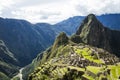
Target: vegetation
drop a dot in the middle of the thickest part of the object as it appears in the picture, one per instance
(75, 38)
(3, 76)
(88, 54)
(8, 63)
(65, 65)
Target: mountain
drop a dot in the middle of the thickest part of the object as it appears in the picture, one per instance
(110, 20)
(92, 32)
(47, 31)
(69, 25)
(21, 39)
(8, 63)
(21, 33)
(115, 42)
(62, 39)
(25, 40)
(86, 55)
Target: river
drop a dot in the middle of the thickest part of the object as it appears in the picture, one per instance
(19, 75)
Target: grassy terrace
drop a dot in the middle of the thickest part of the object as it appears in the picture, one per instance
(94, 69)
(71, 67)
(59, 72)
(115, 71)
(76, 68)
(88, 77)
(56, 67)
(86, 53)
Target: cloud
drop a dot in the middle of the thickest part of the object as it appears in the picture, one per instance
(53, 11)
(34, 15)
(5, 4)
(24, 3)
(98, 7)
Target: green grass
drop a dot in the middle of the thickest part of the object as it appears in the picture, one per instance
(77, 68)
(88, 77)
(3, 76)
(86, 53)
(59, 72)
(115, 71)
(56, 67)
(94, 69)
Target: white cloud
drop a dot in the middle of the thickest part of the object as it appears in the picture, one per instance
(98, 6)
(5, 3)
(53, 11)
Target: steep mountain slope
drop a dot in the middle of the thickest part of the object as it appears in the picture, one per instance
(46, 30)
(62, 39)
(92, 32)
(21, 39)
(69, 25)
(7, 63)
(115, 42)
(87, 55)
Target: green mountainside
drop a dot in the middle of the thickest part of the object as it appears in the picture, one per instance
(86, 55)
(8, 63)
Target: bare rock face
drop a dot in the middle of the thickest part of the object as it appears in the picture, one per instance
(94, 33)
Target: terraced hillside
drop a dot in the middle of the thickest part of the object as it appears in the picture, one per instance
(72, 61)
(79, 62)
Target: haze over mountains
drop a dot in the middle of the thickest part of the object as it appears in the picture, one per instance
(21, 41)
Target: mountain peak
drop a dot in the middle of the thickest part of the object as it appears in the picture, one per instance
(91, 16)
(61, 39)
(92, 32)
(89, 22)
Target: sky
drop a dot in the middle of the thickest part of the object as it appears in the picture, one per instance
(53, 11)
